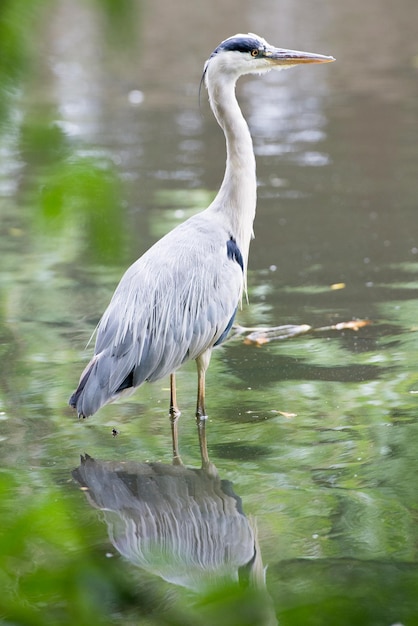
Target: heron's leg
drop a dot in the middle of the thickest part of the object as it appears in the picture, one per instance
(202, 363)
(174, 416)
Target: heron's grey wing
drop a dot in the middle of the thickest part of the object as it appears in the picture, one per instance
(201, 294)
(171, 305)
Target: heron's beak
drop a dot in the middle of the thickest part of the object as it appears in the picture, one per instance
(281, 56)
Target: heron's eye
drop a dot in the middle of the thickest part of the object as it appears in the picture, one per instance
(255, 52)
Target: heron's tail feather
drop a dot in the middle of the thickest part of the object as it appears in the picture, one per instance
(94, 389)
(78, 400)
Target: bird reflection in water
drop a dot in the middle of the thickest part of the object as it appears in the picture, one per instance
(184, 525)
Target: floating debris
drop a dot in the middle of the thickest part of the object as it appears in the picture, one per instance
(260, 336)
(351, 325)
(285, 414)
(265, 335)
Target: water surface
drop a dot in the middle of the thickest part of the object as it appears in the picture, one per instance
(103, 148)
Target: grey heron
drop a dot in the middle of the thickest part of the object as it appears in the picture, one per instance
(179, 299)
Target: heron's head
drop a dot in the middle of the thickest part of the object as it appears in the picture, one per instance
(251, 54)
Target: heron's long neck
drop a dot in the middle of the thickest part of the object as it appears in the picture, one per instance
(236, 199)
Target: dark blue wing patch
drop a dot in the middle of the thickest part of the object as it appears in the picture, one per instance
(227, 329)
(234, 252)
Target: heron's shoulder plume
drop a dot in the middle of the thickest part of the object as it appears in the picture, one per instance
(234, 252)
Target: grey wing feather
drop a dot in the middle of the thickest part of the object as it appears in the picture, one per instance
(171, 305)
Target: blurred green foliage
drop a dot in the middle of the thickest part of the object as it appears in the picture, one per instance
(71, 193)
(18, 20)
(52, 575)
(60, 190)
(59, 573)
(80, 191)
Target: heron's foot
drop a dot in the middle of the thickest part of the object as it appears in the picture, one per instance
(174, 418)
(177, 460)
(209, 468)
(201, 420)
(174, 413)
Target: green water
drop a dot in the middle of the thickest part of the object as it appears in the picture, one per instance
(103, 149)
